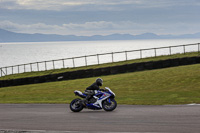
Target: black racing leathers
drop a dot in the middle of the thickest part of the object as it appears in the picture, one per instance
(94, 86)
(90, 91)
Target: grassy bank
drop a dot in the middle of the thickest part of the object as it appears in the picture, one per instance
(41, 73)
(177, 85)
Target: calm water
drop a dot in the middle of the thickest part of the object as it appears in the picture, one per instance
(27, 52)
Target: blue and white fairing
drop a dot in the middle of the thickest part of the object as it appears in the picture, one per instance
(104, 99)
(79, 93)
(100, 97)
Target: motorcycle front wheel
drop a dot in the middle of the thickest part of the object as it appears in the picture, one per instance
(109, 105)
(76, 105)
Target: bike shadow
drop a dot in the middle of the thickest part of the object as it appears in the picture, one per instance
(93, 111)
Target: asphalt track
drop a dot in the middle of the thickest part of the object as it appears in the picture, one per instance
(126, 118)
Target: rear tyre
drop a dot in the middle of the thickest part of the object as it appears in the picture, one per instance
(109, 105)
(76, 105)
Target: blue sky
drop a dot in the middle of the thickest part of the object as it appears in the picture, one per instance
(100, 17)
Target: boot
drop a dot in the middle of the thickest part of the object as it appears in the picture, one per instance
(84, 102)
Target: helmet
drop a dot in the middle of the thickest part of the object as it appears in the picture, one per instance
(99, 81)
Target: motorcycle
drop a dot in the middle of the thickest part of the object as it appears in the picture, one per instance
(101, 100)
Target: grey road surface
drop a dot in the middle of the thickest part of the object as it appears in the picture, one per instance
(126, 118)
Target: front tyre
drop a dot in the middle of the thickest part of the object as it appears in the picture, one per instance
(76, 105)
(109, 105)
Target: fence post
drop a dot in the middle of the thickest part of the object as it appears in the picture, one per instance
(85, 60)
(155, 52)
(1, 72)
(126, 55)
(112, 57)
(18, 69)
(199, 47)
(38, 66)
(184, 49)
(24, 68)
(73, 62)
(45, 65)
(63, 63)
(170, 51)
(12, 69)
(98, 59)
(6, 71)
(140, 54)
(53, 65)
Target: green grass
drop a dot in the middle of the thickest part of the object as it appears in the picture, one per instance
(176, 85)
(41, 73)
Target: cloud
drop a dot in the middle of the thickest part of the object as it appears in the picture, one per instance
(92, 4)
(71, 28)
(29, 28)
(101, 28)
(90, 17)
(8, 4)
(91, 25)
(58, 4)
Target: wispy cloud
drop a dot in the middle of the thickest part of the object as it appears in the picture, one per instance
(101, 28)
(30, 28)
(71, 28)
(58, 4)
(92, 4)
(90, 17)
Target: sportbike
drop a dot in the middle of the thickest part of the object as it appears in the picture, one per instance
(100, 100)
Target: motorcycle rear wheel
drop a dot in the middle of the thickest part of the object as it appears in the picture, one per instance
(76, 105)
(109, 106)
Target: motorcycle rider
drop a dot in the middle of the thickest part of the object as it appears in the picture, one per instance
(90, 91)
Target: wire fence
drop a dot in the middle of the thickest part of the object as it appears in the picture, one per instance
(98, 59)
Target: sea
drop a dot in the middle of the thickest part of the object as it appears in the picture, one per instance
(28, 52)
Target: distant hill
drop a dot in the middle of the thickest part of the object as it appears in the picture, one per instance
(7, 36)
